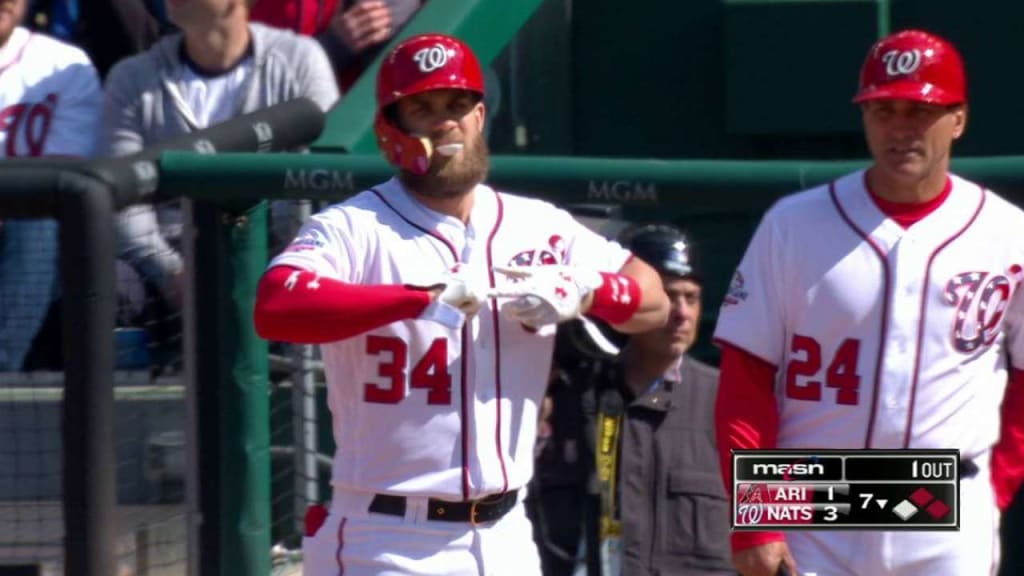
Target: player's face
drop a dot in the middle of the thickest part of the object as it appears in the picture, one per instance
(911, 141)
(11, 14)
(447, 117)
(680, 332)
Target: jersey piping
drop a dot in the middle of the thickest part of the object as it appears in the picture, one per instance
(497, 343)
(884, 328)
(924, 307)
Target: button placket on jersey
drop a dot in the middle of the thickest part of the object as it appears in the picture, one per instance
(906, 266)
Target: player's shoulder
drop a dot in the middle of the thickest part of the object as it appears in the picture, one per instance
(517, 204)
(997, 204)
(814, 201)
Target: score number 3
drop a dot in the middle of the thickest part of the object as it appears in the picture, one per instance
(802, 374)
(430, 373)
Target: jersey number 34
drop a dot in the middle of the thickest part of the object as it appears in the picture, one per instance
(803, 374)
(429, 373)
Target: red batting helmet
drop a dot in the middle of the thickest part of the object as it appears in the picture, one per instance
(913, 65)
(420, 64)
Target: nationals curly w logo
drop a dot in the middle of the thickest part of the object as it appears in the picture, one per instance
(981, 302)
(433, 57)
(901, 62)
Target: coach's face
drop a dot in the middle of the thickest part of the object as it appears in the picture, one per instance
(448, 116)
(11, 14)
(910, 140)
(680, 332)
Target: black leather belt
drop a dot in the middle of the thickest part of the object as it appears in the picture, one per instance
(967, 469)
(487, 509)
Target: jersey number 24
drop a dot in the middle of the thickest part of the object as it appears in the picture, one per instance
(803, 374)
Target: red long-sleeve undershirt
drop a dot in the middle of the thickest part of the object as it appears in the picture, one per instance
(1008, 454)
(746, 417)
(294, 305)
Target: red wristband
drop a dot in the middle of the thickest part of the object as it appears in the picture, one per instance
(616, 299)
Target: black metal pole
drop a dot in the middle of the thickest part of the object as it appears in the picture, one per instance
(85, 213)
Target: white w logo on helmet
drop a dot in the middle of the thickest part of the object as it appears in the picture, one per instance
(432, 58)
(901, 62)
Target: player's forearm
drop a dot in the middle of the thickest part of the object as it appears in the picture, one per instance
(746, 416)
(298, 306)
(651, 308)
(1008, 454)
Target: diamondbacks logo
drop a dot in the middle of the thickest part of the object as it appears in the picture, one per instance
(980, 299)
(550, 255)
(737, 292)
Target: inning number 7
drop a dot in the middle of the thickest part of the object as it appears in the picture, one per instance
(803, 378)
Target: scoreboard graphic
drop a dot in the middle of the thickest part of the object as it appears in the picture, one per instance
(846, 490)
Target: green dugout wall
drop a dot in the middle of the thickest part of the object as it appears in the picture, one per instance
(719, 79)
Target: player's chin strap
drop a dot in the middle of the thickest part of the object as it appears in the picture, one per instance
(408, 152)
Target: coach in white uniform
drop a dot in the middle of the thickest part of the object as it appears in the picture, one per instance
(436, 298)
(885, 310)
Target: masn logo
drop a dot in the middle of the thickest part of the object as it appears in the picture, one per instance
(789, 469)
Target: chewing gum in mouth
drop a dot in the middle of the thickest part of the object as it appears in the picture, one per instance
(449, 149)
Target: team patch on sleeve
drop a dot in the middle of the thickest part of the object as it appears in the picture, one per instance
(310, 240)
(737, 292)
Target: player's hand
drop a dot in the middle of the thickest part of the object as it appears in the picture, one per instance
(461, 293)
(456, 296)
(364, 25)
(766, 560)
(543, 295)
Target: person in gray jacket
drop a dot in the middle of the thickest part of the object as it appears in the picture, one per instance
(643, 419)
(219, 66)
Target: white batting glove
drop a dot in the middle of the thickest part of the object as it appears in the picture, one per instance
(543, 295)
(459, 299)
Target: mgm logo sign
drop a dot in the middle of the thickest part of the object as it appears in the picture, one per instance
(622, 191)
(320, 180)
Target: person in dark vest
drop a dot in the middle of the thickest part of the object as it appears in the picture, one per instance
(644, 412)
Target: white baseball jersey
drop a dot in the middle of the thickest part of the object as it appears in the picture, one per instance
(419, 408)
(884, 337)
(50, 98)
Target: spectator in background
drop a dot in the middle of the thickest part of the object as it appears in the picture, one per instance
(352, 32)
(660, 508)
(50, 101)
(107, 30)
(360, 30)
(217, 67)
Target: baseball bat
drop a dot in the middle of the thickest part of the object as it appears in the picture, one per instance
(282, 127)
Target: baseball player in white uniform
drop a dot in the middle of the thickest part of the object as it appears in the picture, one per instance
(885, 310)
(49, 106)
(435, 299)
(49, 92)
